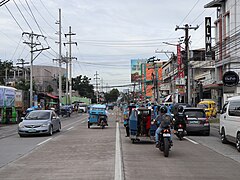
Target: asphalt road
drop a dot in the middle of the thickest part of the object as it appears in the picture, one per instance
(81, 153)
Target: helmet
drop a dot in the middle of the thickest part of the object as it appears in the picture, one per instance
(163, 109)
(180, 109)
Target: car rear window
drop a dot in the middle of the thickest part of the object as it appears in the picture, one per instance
(202, 105)
(195, 113)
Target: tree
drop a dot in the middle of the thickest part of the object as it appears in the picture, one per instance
(112, 95)
(5, 66)
(49, 89)
(83, 86)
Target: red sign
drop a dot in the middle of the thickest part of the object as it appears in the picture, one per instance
(179, 61)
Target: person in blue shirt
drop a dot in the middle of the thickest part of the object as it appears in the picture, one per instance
(164, 119)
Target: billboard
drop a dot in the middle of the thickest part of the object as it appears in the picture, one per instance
(136, 69)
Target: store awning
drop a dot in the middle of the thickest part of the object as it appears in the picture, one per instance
(52, 96)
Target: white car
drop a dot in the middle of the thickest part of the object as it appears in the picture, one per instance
(230, 122)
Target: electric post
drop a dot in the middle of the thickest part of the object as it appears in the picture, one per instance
(187, 70)
(59, 22)
(70, 34)
(97, 78)
(22, 62)
(33, 46)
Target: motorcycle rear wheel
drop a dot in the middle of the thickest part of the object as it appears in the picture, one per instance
(166, 147)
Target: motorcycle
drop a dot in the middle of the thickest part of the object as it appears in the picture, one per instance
(165, 141)
(180, 131)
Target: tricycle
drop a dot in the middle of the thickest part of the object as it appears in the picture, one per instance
(141, 125)
(98, 116)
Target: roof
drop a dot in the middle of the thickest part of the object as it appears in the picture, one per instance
(234, 98)
(214, 3)
(98, 106)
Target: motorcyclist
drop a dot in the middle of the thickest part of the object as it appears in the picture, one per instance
(180, 118)
(163, 119)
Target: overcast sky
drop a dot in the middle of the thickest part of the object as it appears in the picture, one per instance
(109, 33)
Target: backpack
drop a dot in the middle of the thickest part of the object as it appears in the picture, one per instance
(166, 120)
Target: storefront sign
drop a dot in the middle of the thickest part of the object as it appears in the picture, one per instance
(208, 38)
(230, 78)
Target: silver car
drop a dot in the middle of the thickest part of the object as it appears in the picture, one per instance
(39, 122)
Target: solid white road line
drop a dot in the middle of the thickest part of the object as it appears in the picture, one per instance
(118, 156)
(44, 141)
(194, 142)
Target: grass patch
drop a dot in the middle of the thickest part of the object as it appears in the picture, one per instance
(214, 120)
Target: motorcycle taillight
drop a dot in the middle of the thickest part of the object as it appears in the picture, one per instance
(180, 125)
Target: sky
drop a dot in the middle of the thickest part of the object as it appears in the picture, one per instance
(109, 33)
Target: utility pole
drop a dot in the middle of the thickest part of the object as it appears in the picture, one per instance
(97, 78)
(187, 70)
(34, 42)
(59, 22)
(70, 34)
(22, 62)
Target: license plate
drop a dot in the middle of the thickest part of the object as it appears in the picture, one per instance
(166, 135)
(180, 130)
(32, 130)
(193, 122)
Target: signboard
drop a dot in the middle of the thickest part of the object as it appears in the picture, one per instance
(136, 69)
(1, 97)
(230, 78)
(18, 98)
(208, 38)
(9, 97)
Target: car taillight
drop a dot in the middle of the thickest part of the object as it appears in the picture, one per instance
(206, 122)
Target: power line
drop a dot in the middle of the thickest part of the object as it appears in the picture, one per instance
(14, 18)
(189, 12)
(22, 15)
(34, 17)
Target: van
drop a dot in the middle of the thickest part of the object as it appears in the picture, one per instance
(230, 121)
(209, 106)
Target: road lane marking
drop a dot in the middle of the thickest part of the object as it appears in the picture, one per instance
(44, 141)
(70, 128)
(118, 156)
(194, 142)
(83, 122)
(74, 122)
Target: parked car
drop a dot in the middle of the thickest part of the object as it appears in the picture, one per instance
(110, 106)
(39, 122)
(196, 120)
(230, 121)
(66, 111)
(82, 108)
(209, 106)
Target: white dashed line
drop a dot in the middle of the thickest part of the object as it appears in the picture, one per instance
(194, 142)
(44, 141)
(70, 128)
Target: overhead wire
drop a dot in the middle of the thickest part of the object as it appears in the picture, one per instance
(23, 15)
(14, 18)
(189, 12)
